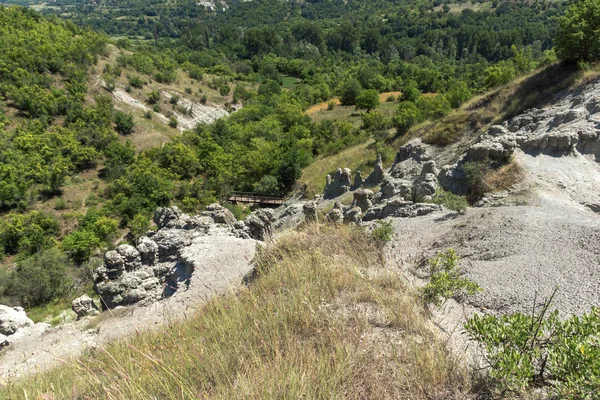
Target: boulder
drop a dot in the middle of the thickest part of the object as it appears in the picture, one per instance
(219, 214)
(148, 250)
(12, 319)
(165, 217)
(336, 215)
(362, 199)
(258, 224)
(353, 215)
(84, 306)
(310, 211)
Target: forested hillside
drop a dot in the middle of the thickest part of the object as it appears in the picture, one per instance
(73, 184)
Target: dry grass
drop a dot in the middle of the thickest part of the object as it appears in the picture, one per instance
(322, 319)
(504, 177)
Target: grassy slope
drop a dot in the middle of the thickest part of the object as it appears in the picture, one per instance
(460, 127)
(323, 319)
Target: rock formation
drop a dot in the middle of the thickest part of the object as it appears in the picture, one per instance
(339, 184)
(376, 176)
(84, 306)
(155, 267)
(12, 319)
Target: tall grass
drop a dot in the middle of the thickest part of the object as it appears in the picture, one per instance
(322, 319)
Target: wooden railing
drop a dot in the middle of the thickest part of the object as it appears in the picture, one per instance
(249, 197)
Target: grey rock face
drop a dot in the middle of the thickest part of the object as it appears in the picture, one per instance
(336, 215)
(219, 214)
(310, 211)
(84, 306)
(358, 181)
(339, 184)
(376, 176)
(152, 269)
(362, 199)
(353, 215)
(12, 319)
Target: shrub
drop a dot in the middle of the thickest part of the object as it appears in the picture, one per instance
(382, 234)
(60, 204)
(123, 122)
(173, 122)
(139, 225)
(40, 278)
(391, 98)
(80, 244)
(446, 280)
(406, 116)
(136, 82)
(349, 92)
(367, 100)
(188, 90)
(148, 114)
(203, 99)
(174, 99)
(153, 97)
(450, 200)
(541, 349)
(331, 105)
(238, 212)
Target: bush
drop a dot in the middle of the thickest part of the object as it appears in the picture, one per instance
(331, 105)
(238, 212)
(40, 278)
(446, 280)
(139, 226)
(80, 244)
(349, 92)
(523, 351)
(382, 234)
(123, 122)
(153, 97)
(367, 100)
(60, 204)
(173, 122)
(406, 116)
(450, 200)
(136, 82)
(174, 99)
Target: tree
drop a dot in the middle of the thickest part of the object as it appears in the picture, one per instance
(124, 122)
(406, 116)
(367, 100)
(40, 278)
(349, 92)
(578, 37)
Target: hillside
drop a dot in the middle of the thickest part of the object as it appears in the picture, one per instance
(438, 165)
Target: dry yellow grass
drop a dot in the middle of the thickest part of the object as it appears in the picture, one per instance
(322, 319)
(504, 177)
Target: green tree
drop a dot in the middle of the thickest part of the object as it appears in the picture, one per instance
(40, 278)
(349, 92)
(406, 116)
(124, 122)
(578, 37)
(367, 100)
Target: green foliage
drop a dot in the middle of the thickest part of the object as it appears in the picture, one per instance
(60, 204)
(268, 184)
(28, 233)
(139, 226)
(367, 100)
(94, 230)
(39, 278)
(446, 280)
(406, 116)
(499, 74)
(136, 82)
(349, 92)
(173, 122)
(382, 234)
(238, 212)
(458, 93)
(153, 97)
(450, 200)
(475, 173)
(524, 351)
(577, 38)
(124, 122)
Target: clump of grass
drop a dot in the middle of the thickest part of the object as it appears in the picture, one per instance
(302, 329)
(505, 176)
